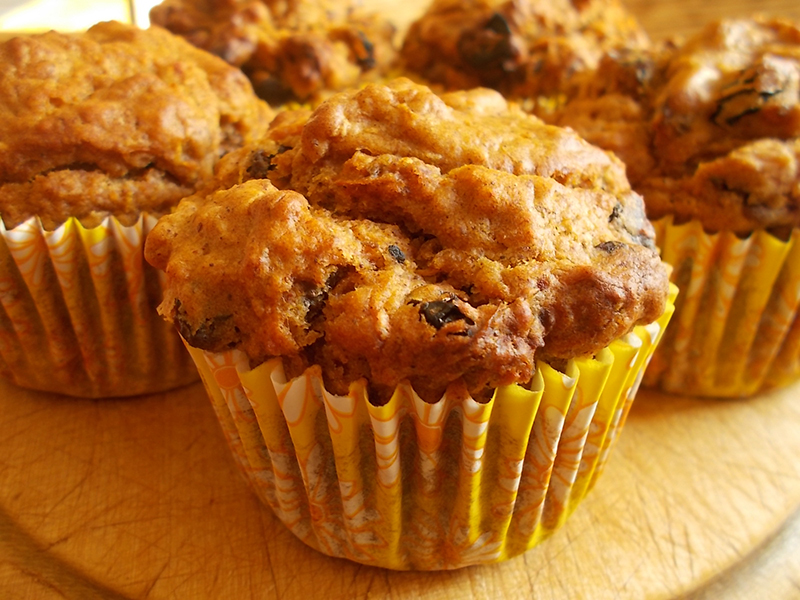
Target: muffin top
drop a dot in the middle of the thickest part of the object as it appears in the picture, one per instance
(711, 129)
(726, 128)
(393, 234)
(524, 48)
(115, 120)
(611, 107)
(291, 49)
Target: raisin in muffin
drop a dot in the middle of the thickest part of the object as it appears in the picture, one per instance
(710, 131)
(525, 49)
(102, 132)
(395, 235)
(296, 50)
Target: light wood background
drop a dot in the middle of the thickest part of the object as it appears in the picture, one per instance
(138, 498)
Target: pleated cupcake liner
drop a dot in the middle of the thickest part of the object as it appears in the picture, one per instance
(78, 312)
(736, 330)
(414, 485)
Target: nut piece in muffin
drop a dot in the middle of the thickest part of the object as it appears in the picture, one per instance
(114, 121)
(713, 130)
(524, 48)
(295, 50)
(392, 234)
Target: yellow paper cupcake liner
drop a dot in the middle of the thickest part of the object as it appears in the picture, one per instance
(413, 485)
(735, 329)
(78, 312)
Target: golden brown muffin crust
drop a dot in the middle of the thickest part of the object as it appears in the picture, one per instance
(610, 107)
(712, 133)
(523, 48)
(291, 50)
(726, 125)
(392, 234)
(114, 121)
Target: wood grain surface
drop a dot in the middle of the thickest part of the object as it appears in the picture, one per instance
(139, 498)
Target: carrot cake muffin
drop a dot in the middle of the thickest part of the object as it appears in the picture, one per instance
(295, 50)
(114, 121)
(100, 133)
(523, 48)
(395, 235)
(710, 132)
(411, 310)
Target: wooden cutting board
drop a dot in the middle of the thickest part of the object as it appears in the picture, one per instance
(139, 498)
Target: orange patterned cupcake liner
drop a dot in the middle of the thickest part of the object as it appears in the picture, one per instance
(413, 485)
(78, 311)
(736, 329)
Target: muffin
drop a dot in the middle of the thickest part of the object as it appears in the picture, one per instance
(524, 49)
(102, 132)
(709, 132)
(299, 50)
(449, 278)
(611, 106)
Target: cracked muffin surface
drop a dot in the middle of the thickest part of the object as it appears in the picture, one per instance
(523, 48)
(611, 107)
(392, 234)
(711, 130)
(115, 121)
(291, 50)
(726, 128)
